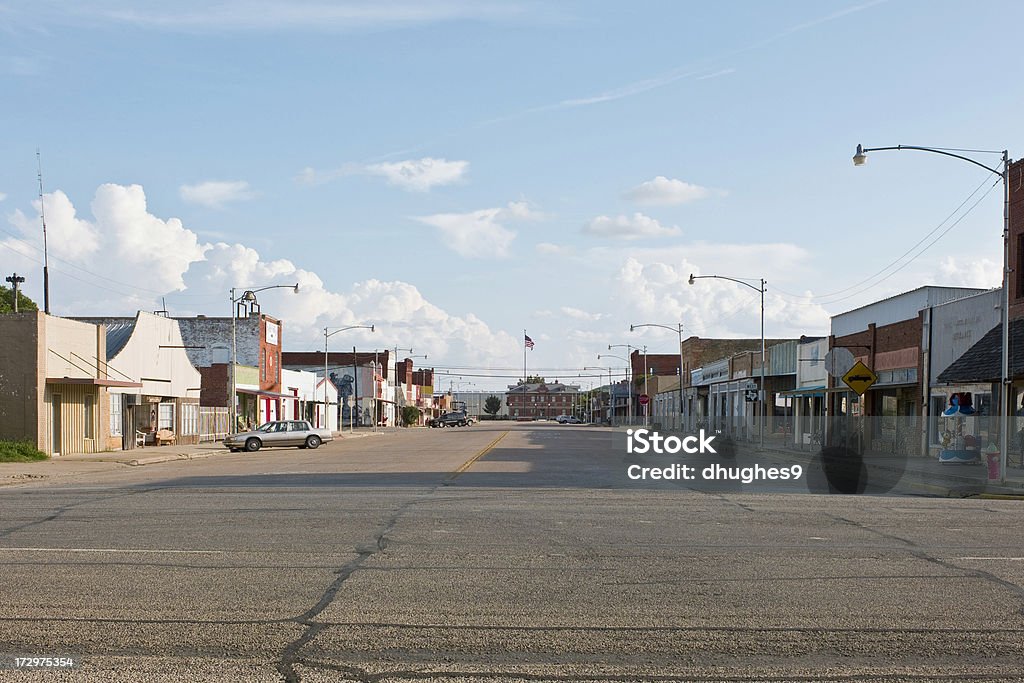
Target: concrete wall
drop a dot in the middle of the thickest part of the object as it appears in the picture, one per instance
(958, 325)
(154, 355)
(22, 360)
(897, 308)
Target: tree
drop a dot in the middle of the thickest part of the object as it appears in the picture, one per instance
(492, 405)
(410, 415)
(532, 379)
(7, 301)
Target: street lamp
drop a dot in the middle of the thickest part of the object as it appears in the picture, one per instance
(764, 391)
(861, 158)
(629, 392)
(679, 330)
(609, 387)
(328, 333)
(249, 298)
(629, 375)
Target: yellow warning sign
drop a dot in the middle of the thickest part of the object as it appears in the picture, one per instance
(860, 378)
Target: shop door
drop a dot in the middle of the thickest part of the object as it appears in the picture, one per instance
(56, 421)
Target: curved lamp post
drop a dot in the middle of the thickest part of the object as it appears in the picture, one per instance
(328, 333)
(764, 391)
(679, 330)
(248, 297)
(609, 370)
(629, 391)
(629, 373)
(861, 158)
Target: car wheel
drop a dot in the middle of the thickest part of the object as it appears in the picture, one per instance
(252, 444)
(312, 441)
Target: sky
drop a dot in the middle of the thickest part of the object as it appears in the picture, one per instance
(455, 172)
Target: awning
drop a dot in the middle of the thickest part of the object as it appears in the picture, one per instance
(272, 394)
(94, 381)
(804, 391)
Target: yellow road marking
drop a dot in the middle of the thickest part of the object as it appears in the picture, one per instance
(469, 463)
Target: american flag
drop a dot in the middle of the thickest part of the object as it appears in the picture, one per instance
(529, 342)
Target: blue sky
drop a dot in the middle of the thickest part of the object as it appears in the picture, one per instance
(457, 171)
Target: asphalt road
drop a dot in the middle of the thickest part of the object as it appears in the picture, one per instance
(498, 554)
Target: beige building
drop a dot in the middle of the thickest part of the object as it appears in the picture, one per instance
(54, 387)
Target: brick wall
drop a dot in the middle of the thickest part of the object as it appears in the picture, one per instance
(215, 380)
(1016, 239)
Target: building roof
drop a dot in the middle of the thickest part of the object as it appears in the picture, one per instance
(118, 334)
(983, 362)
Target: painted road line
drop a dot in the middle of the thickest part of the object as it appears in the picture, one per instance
(469, 463)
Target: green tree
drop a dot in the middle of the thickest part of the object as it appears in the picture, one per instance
(532, 379)
(7, 301)
(492, 405)
(410, 415)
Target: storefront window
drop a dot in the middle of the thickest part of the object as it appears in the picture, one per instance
(166, 417)
(115, 414)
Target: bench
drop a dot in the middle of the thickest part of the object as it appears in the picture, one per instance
(164, 437)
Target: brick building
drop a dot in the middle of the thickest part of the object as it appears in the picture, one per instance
(537, 400)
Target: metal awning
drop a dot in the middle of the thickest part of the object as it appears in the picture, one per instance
(94, 381)
(804, 391)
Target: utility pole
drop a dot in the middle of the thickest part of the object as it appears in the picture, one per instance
(46, 257)
(15, 281)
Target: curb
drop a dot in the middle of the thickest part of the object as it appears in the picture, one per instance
(138, 462)
(953, 487)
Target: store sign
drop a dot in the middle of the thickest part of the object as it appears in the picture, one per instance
(272, 333)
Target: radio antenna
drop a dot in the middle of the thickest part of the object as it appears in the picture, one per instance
(46, 259)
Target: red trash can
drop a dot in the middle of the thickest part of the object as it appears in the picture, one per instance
(992, 459)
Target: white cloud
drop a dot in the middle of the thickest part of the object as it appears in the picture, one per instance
(657, 290)
(480, 234)
(549, 249)
(662, 191)
(3, 196)
(628, 227)
(578, 314)
(420, 175)
(216, 193)
(156, 257)
(981, 273)
(68, 236)
(412, 175)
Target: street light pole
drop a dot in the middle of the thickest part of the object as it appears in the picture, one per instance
(679, 330)
(860, 158)
(629, 402)
(764, 390)
(327, 334)
(629, 375)
(248, 295)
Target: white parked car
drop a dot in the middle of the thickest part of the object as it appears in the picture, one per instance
(280, 433)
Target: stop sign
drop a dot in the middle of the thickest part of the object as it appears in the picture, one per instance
(644, 399)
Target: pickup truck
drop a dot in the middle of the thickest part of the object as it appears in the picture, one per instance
(279, 433)
(450, 420)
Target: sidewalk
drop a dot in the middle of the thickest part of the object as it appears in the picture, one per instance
(67, 465)
(927, 475)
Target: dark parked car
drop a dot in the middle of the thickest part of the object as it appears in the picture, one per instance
(450, 420)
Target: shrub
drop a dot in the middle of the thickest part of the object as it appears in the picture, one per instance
(20, 451)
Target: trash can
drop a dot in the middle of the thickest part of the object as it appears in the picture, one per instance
(992, 460)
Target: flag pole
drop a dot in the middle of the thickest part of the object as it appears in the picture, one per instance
(524, 372)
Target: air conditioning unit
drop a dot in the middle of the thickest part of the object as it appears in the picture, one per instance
(131, 399)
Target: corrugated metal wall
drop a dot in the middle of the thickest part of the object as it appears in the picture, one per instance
(72, 410)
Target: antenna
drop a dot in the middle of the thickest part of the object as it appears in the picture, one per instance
(46, 259)
(163, 312)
